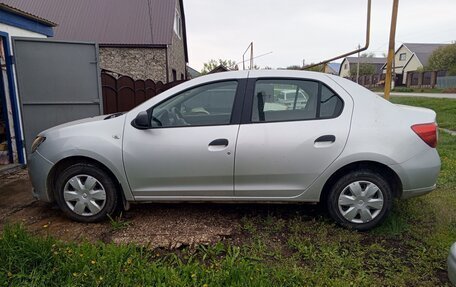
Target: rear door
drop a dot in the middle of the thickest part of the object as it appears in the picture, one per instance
(283, 148)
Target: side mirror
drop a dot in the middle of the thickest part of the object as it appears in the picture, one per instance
(141, 122)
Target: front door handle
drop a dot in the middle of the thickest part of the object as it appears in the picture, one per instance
(219, 142)
(326, 138)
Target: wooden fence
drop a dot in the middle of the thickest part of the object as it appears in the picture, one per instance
(121, 94)
(426, 79)
(370, 81)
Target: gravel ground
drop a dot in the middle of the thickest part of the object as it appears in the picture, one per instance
(155, 225)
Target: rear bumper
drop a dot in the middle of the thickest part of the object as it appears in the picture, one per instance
(39, 168)
(419, 174)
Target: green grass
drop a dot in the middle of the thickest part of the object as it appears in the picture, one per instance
(118, 223)
(409, 90)
(418, 90)
(445, 108)
(276, 246)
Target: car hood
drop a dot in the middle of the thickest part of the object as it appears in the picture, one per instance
(78, 123)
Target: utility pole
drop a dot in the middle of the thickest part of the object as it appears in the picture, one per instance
(357, 66)
(392, 39)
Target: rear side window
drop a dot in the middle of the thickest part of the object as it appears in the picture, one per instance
(330, 104)
(290, 100)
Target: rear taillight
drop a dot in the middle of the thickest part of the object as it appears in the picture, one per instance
(427, 132)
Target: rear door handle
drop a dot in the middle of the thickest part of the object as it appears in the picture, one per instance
(219, 142)
(326, 138)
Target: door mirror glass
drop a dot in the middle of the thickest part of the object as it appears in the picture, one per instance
(141, 121)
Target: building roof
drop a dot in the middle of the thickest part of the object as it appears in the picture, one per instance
(27, 15)
(368, 60)
(377, 62)
(335, 67)
(109, 22)
(192, 72)
(423, 50)
(218, 69)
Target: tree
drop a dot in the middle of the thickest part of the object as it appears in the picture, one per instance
(364, 68)
(318, 68)
(212, 64)
(444, 58)
(294, 67)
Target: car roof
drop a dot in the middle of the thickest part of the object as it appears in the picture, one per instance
(263, 74)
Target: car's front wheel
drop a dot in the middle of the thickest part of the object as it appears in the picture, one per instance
(360, 200)
(86, 193)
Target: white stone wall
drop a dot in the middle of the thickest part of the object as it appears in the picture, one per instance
(138, 63)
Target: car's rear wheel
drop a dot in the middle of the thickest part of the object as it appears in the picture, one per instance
(360, 200)
(86, 193)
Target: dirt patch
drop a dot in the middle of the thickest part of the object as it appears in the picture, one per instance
(154, 225)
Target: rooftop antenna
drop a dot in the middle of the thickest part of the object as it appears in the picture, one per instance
(251, 56)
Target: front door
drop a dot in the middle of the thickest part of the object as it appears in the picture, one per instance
(189, 149)
(295, 130)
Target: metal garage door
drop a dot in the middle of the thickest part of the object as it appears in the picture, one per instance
(58, 82)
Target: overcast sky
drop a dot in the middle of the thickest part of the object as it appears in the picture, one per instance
(313, 30)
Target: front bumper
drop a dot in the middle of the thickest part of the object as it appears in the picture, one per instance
(419, 174)
(39, 169)
(452, 264)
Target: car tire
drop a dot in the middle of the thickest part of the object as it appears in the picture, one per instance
(360, 200)
(86, 193)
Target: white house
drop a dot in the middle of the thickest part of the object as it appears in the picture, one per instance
(377, 62)
(411, 57)
(14, 23)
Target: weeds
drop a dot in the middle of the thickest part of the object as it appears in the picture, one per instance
(118, 223)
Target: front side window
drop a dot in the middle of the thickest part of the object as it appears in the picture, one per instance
(206, 105)
(291, 100)
(402, 57)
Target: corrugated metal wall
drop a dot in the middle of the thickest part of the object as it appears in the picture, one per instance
(58, 82)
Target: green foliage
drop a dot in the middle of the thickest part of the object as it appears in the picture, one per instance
(403, 90)
(294, 67)
(318, 68)
(365, 69)
(444, 58)
(212, 64)
(118, 222)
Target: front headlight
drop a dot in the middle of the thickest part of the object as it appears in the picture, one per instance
(36, 142)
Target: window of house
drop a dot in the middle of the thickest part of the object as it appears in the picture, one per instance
(291, 100)
(210, 104)
(174, 75)
(345, 66)
(178, 24)
(182, 77)
(402, 57)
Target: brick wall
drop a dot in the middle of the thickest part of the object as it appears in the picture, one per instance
(138, 63)
(176, 56)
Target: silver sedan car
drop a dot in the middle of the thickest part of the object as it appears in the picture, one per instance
(227, 138)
